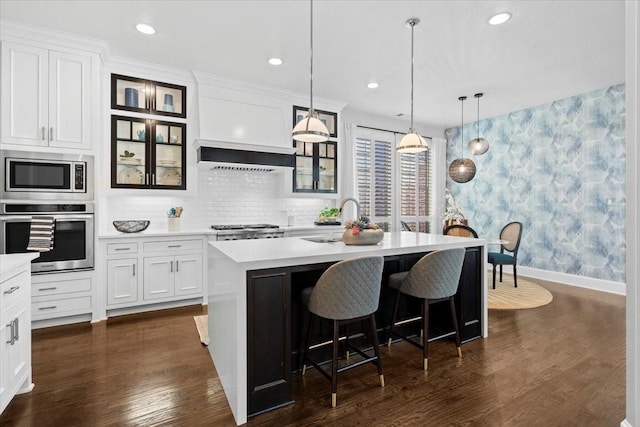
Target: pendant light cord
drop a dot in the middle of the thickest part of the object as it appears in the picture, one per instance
(311, 60)
(413, 24)
(461, 99)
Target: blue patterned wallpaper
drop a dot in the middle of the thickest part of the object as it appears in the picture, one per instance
(559, 169)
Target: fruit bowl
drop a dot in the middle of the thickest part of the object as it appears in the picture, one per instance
(131, 226)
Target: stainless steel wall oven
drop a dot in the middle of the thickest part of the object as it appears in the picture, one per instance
(73, 239)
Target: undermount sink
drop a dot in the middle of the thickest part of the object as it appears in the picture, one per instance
(323, 239)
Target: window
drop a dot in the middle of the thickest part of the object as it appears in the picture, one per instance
(392, 187)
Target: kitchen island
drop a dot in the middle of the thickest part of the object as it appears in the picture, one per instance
(253, 288)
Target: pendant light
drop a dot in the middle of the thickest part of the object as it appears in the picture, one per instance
(412, 142)
(310, 129)
(478, 145)
(462, 170)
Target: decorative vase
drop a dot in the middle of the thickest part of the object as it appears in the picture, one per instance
(364, 237)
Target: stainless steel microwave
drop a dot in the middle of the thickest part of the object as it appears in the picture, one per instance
(46, 176)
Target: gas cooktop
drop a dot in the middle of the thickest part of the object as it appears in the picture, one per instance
(242, 227)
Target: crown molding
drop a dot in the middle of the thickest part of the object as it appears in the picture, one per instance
(20, 32)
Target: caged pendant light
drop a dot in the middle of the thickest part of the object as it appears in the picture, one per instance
(412, 142)
(462, 170)
(310, 128)
(478, 145)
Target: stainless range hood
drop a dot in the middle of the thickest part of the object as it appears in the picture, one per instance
(240, 156)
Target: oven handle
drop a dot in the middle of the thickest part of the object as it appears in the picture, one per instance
(66, 217)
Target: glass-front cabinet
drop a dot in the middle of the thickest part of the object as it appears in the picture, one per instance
(316, 167)
(147, 153)
(148, 96)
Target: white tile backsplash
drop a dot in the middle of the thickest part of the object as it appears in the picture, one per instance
(224, 197)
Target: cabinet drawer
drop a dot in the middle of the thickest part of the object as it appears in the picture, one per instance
(122, 248)
(60, 307)
(61, 287)
(173, 246)
(14, 289)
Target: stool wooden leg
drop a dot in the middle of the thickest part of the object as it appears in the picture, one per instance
(312, 318)
(425, 335)
(346, 342)
(394, 318)
(452, 305)
(334, 365)
(376, 347)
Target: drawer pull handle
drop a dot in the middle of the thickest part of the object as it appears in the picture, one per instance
(12, 290)
(177, 266)
(53, 288)
(16, 335)
(174, 246)
(123, 249)
(12, 340)
(50, 307)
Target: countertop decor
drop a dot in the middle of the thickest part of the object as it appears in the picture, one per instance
(362, 232)
(131, 226)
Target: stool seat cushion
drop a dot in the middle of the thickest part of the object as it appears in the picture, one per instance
(499, 258)
(396, 279)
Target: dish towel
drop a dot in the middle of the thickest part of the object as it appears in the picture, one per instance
(41, 234)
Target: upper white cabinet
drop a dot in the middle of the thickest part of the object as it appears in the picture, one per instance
(46, 97)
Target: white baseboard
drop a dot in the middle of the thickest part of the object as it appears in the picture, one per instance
(609, 286)
(625, 423)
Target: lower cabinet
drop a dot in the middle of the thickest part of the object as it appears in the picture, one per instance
(153, 270)
(15, 333)
(56, 296)
(269, 348)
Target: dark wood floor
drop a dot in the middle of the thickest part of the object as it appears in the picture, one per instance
(558, 365)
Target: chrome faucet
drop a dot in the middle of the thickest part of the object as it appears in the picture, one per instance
(342, 203)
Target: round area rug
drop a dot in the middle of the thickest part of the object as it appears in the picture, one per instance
(507, 297)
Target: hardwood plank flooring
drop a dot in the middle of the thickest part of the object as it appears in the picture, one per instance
(558, 365)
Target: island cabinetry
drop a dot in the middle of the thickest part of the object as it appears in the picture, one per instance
(469, 296)
(269, 348)
(47, 97)
(15, 326)
(152, 270)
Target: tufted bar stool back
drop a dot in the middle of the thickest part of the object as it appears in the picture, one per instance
(348, 290)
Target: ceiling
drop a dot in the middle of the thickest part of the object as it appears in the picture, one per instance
(548, 50)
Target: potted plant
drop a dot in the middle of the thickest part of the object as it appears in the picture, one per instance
(329, 215)
(362, 232)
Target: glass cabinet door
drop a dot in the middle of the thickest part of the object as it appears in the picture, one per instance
(129, 93)
(316, 167)
(129, 154)
(169, 158)
(148, 96)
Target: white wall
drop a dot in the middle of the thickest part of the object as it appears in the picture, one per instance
(389, 123)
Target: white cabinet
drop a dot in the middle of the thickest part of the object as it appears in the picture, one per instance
(46, 97)
(171, 270)
(122, 281)
(15, 328)
(62, 295)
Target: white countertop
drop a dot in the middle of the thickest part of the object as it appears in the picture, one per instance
(266, 253)
(11, 261)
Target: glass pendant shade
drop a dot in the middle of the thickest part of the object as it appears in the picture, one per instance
(412, 143)
(478, 146)
(462, 170)
(310, 129)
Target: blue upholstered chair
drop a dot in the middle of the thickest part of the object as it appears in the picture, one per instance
(433, 278)
(347, 291)
(512, 233)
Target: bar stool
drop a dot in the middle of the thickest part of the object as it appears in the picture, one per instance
(347, 291)
(433, 278)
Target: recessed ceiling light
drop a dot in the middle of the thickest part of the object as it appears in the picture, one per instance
(372, 85)
(145, 29)
(275, 61)
(499, 18)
